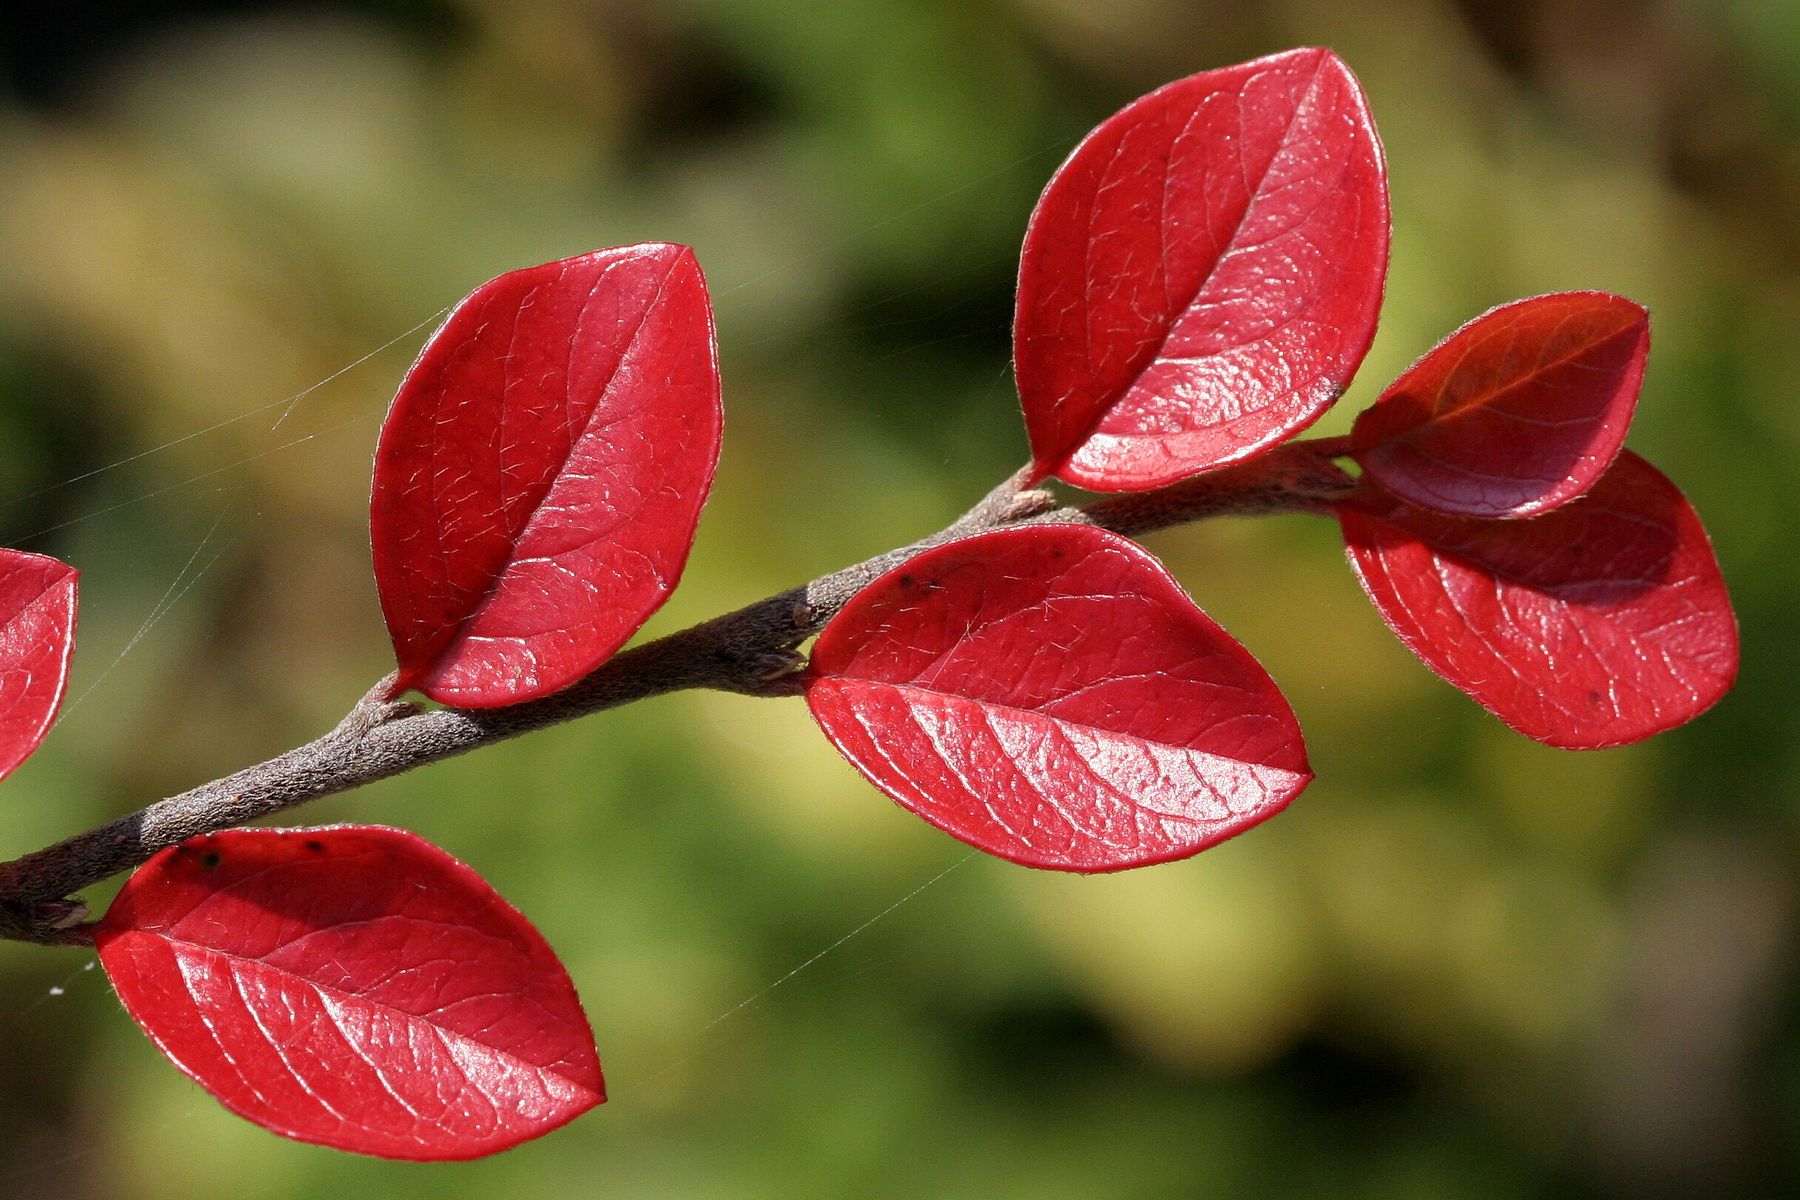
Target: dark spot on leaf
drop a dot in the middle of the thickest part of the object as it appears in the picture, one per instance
(315, 845)
(211, 859)
(907, 581)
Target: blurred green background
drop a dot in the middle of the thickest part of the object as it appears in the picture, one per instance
(1461, 965)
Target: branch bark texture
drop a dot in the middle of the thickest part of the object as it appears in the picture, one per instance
(752, 651)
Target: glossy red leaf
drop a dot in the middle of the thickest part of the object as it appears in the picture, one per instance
(1050, 695)
(37, 640)
(1202, 277)
(351, 986)
(542, 470)
(1598, 624)
(1520, 410)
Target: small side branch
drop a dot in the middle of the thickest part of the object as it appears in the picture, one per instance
(752, 651)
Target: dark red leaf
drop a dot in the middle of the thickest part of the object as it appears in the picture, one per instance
(1595, 625)
(37, 639)
(1201, 278)
(351, 986)
(1520, 410)
(542, 470)
(1050, 695)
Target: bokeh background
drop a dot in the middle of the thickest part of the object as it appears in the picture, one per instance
(1461, 965)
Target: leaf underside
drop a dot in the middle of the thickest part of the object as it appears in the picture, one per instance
(1050, 695)
(1599, 624)
(354, 987)
(37, 641)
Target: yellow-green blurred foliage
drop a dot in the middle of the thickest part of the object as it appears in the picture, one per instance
(1460, 965)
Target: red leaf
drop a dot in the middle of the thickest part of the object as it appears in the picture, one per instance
(1520, 410)
(351, 986)
(542, 470)
(1595, 625)
(1201, 278)
(1050, 695)
(37, 639)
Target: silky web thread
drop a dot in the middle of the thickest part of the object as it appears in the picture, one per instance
(177, 590)
(286, 403)
(741, 1005)
(172, 595)
(289, 403)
